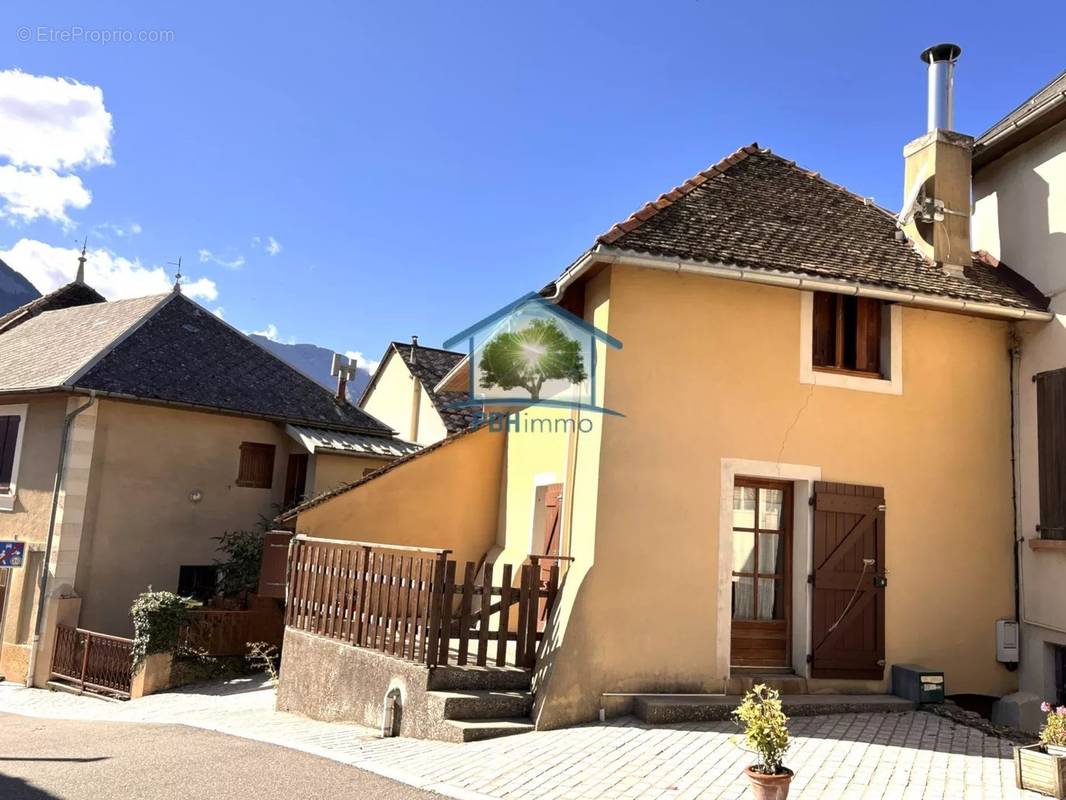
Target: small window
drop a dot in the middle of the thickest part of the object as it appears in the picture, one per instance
(848, 334)
(9, 435)
(198, 582)
(256, 470)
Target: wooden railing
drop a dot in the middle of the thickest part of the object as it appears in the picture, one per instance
(407, 602)
(92, 660)
(224, 632)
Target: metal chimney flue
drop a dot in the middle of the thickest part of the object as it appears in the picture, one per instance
(941, 59)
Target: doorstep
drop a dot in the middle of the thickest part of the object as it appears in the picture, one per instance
(659, 709)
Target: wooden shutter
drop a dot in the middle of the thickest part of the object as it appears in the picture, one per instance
(824, 329)
(1051, 452)
(848, 599)
(273, 568)
(256, 469)
(868, 335)
(295, 479)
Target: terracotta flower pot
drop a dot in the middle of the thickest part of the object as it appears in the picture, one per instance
(769, 787)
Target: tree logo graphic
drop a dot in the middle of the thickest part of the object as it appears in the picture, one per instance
(530, 357)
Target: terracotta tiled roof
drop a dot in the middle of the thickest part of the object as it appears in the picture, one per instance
(756, 210)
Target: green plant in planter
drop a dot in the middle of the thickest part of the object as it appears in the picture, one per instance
(157, 621)
(765, 728)
(1053, 734)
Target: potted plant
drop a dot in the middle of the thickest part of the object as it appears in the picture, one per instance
(765, 734)
(1042, 766)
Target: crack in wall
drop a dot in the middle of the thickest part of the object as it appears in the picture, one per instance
(789, 429)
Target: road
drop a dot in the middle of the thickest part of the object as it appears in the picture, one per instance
(44, 759)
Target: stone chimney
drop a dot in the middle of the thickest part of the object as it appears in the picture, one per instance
(936, 172)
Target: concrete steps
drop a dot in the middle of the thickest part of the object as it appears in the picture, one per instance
(476, 730)
(475, 703)
(481, 704)
(666, 709)
(785, 682)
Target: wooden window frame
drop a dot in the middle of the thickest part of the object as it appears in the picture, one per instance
(868, 312)
(890, 378)
(10, 491)
(250, 450)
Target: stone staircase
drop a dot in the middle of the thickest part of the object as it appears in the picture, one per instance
(475, 703)
(741, 680)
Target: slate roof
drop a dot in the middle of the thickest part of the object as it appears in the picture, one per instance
(48, 349)
(73, 294)
(757, 210)
(168, 349)
(430, 365)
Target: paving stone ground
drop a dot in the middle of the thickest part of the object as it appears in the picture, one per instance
(908, 756)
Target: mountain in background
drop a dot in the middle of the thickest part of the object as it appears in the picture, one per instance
(315, 363)
(15, 290)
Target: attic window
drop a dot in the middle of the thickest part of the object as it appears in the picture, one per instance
(256, 470)
(848, 334)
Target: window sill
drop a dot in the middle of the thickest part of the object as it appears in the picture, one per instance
(1048, 544)
(857, 373)
(846, 379)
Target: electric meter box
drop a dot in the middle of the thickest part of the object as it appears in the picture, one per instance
(1006, 641)
(917, 684)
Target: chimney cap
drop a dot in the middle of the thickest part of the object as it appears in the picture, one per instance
(945, 51)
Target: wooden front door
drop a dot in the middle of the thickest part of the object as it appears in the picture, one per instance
(848, 590)
(762, 573)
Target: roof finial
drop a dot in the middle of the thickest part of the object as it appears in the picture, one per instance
(80, 277)
(177, 275)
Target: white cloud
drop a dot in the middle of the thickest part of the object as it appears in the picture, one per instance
(31, 193)
(207, 257)
(271, 246)
(269, 332)
(52, 122)
(50, 127)
(219, 312)
(122, 231)
(48, 267)
(369, 364)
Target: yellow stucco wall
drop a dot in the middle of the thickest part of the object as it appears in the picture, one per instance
(331, 470)
(709, 371)
(447, 498)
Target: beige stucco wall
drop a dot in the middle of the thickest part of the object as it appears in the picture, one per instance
(1020, 217)
(331, 470)
(140, 522)
(1020, 209)
(28, 521)
(393, 398)
(447, 498)
(709, 371)
(1043, 612)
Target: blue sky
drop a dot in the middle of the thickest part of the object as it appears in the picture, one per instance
(419, 164)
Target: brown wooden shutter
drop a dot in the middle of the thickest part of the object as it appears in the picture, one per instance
(1051, 452)
(256, 468)
(295, 479)
(9, 430)
(868, 335)
(273, 568)
(824, 330)
(848, 599)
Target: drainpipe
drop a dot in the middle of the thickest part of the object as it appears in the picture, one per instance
(42, 584)
(1014, 354)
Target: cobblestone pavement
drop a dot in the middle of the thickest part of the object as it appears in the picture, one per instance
(861, 756)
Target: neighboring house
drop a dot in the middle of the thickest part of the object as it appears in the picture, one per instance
(1019, 183)
(403, 393)
(810, 472)
(174, 427)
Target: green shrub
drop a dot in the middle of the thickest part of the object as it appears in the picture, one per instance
(157, 621)
(765, 727)
(243, 551)
(1054, 730)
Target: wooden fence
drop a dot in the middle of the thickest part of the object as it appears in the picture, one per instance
(221, 633)
(409, 602)
(92, 660)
